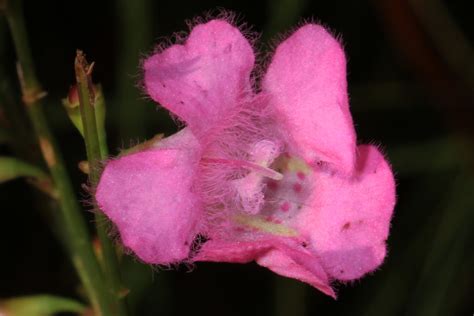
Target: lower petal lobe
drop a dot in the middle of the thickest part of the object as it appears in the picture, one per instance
(348, 219)
(280, 255)
(149, 197)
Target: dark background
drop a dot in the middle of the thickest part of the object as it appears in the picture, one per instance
(411, 83)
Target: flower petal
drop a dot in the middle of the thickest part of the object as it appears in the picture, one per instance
(149, 197)
(204, 78)
(297, 265)
(231, 250)
(307, 79)
(280, 256)
(349, 219)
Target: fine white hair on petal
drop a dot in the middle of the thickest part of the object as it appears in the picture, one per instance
(235, 138)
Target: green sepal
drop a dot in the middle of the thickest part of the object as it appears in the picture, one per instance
(74, 114)
(71, 104)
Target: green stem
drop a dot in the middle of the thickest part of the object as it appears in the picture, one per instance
(79, 243)
(15, 120)
(86, 104)
(95, 153)
(100, 109)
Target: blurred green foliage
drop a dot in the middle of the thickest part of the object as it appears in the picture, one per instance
(404, 96)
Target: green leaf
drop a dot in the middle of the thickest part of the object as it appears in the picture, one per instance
(12, 168)
(39, 305)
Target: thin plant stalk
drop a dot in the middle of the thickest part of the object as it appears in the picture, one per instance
(94, 155)
(79, 242)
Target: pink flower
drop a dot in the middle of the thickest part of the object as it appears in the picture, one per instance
(273, 176)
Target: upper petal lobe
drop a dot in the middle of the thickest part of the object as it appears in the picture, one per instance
(204, 78)
(307, 80)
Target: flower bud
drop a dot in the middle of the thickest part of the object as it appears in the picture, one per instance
(71, 104)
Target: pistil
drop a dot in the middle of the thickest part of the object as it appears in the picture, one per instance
(250, 166)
